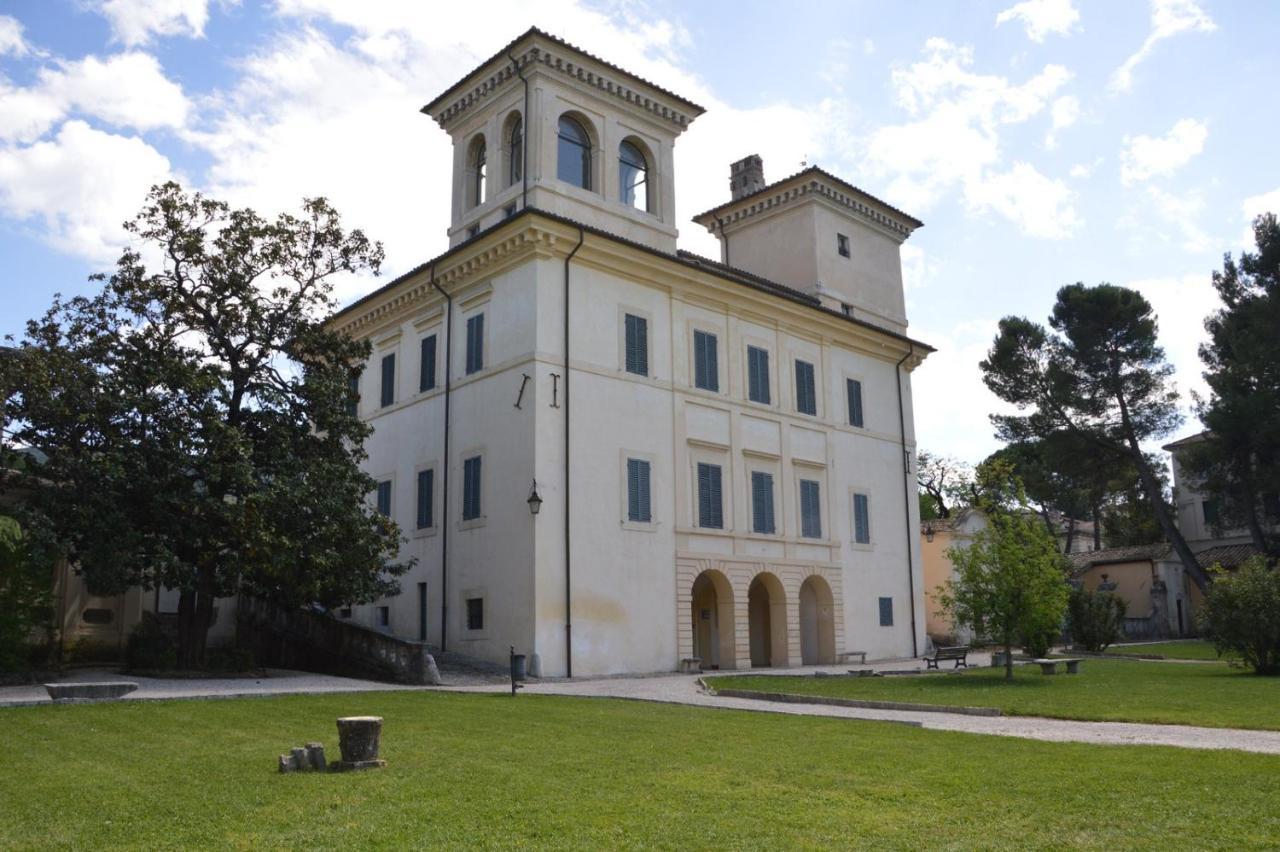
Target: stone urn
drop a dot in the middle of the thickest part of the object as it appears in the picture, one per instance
(358, 740)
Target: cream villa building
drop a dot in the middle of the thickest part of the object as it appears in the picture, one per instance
(619, 457)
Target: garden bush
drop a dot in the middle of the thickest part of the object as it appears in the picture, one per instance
(1095, 619)
(1242, 615)
(150, 647)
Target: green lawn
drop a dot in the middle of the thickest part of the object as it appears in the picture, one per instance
(469, 771)
(1214, 695)
(1183, 649)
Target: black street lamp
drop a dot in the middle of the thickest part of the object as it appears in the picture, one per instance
(535, 502)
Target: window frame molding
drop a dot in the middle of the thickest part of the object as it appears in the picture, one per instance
(870, 545)
(718, 334)
(750, 342)
(860, 378)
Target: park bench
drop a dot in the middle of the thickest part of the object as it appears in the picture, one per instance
(1050, 667)
(958, 653)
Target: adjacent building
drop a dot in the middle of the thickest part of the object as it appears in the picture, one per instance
(617, 456)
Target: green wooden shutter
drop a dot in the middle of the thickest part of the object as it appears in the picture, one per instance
(758, 374)
(471, 489)
(475, 344)
(861, 519)
(762, 503)
(427, 364)
(384, 498)
(388, 379)
(426, 488)
(810, 509)
(806, 394)
(637, 345)
(886, 612)
(854, 388)
(710, 498)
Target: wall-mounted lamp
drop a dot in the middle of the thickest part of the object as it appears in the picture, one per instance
(535, 502)
(928, 534)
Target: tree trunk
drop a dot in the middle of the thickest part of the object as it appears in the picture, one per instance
(1071, 535)
(195, 616)
(1252, 521)
(186, 614)
(1172, 534)
(1008, 659)
(1097, 524)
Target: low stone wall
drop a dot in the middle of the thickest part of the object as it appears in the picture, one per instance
(318, 642)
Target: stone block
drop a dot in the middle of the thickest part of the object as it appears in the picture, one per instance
(100, 691)
(358, 739)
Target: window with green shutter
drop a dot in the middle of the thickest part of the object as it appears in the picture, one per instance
(427, 364)
(854, 391)
(638, 506)
(426, 495)
(636, 331)
(758, 374)
(388, 379)
(475, 344)
(762, 503)
(706, 365)
(861, 519)
(886, 612)
(810, 509)
(471, 488)
(806, 392)
(383, 499)
(710, 498)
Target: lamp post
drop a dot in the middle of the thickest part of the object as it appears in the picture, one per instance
(534, 501)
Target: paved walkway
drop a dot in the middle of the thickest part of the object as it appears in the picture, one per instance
(684, 689)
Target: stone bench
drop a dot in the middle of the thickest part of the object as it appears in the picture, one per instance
(99, 691)
(691, 665)
(1050, 667)
(847, 657)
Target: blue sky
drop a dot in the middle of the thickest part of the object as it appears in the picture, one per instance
(1042, 142)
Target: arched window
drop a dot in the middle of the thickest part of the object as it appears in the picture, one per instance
(633, 176)
(515, 151)
(479, 171)
(573, 161)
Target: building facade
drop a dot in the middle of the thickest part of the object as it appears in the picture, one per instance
(618, 457)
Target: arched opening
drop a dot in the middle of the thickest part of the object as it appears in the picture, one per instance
(515, 149)
(712, 613)
(573, 153)
(477, 172)
(633, 176)
(817, 623)
(767, 621)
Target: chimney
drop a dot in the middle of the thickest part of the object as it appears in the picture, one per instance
(746, 176)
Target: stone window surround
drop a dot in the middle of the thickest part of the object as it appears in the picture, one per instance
(710, 454)
(647, 316)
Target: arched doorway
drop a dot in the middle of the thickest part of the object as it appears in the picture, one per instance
(767, 621)
(712, 613)
(817, 623)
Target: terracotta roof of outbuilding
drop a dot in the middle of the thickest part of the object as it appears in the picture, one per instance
(549, 37)
(1081, 562)
(1226, 555)
(814, 171)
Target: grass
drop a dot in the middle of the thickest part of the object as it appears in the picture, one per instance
(489, 771)
(1105, 690)
(1183, 649)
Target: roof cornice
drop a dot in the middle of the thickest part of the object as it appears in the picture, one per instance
(538, 50)
(813, 182)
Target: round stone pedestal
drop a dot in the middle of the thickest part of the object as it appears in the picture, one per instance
(358, 740)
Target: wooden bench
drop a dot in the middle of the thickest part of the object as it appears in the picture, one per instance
(1050, 667)
(847, 656)
(958, 653)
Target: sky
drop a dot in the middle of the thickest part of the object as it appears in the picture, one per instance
(1042, 142)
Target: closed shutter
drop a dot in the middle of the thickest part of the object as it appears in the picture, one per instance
(426, 489)
(471, 489)
(427, 364)
(388, 379)
(638, 507)
(475, 344)
(758, 374)
(855, 402)
(706, 365)
(353, 394)
(637, 345)
(810, 509)
(762, 503)
(806, 397)
(886, 612)
(384, 498)
(710, 505)
(861, 519)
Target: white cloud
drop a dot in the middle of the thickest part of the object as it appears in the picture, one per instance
(11, 40)
(1181, 213)
(1042, 17)
(128, 90)
(135, 22)
(1064, 113)
(1181, 304)
(1081, 170)
(1145, 157)
(954, 139)
(81, 185)
(1168, 18)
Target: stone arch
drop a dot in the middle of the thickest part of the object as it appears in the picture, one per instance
(711, 612)
(767, 621)
(636, 174)
(513, 147)
(817, 622)
(477, 170)
(569, 169)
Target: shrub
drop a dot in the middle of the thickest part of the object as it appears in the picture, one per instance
(1242, 615)
(1095, 619)
(150, 647)
(1037, 644)
(26, 584)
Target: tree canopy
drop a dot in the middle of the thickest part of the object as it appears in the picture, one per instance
(195, 415)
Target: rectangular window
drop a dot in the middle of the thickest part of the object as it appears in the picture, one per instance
(475, 344)
(762, 503)
(345, 612)
(710, 498)
(422, 612)
(353, 394)
(861, 519)
(637, 344)
(854, 389)
(706, 367)
(806, 395)
(427, 364)
(384, 616)
(758, 374)
(842, 245)
(384, 498)
(388, 379)
(638, 508)
(1209, 510)
(426, 494)
(886, 612)
(471, 489)
(810, 509)
(475, 613)
(472, 231)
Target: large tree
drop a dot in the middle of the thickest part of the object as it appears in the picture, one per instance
(1097, 372)
(946, 484)
(195, 414)
(1239, 462)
